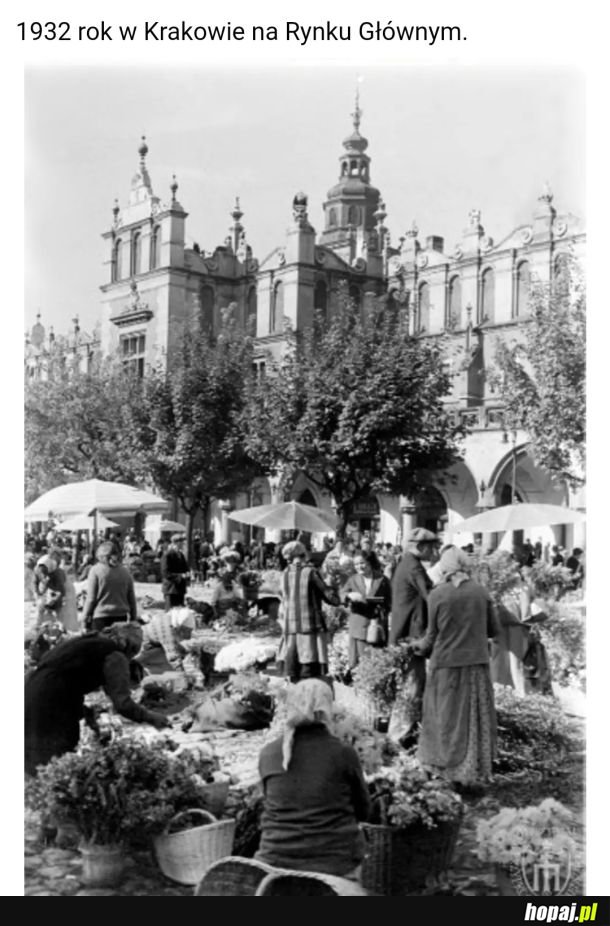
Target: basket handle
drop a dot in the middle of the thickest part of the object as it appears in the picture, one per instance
(209, 818)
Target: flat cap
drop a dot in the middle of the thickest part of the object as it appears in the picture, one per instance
(421, 535)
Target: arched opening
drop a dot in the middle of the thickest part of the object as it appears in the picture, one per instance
(353, 215)
(136, 254)
(208, 300)
(276, 318)
(252, 309)
(155, 243)
(332, 217)
(488, 295)
(454, 302)
(355, 295)
(423, 309)
(307, 498)
(523, 288)
(430, 509)
(117, 261)
(320, 299)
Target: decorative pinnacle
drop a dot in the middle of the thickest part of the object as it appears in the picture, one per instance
(115, 209)
(143, 150)
(75, 323)
(236, 214)
(174, 187)
(413, 232)
(357, 113)
(547, 194)
(380, 213)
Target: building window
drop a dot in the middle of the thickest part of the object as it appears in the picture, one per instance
(320, 299)
(423, 309)
(259, 369)
(155, 243)
(454, 302)
(252, 308)
(117, 261)
(332, 217)
(133, 348)
(208, 300)
(353, 215)
(276, 319)
(523, 288)
(488, 295)
(355, 295)
(136, 254)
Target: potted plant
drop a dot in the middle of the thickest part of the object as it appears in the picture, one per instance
(517, 838)
(114, 795)
(413, 829)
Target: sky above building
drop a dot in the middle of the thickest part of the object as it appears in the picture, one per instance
(443, 141)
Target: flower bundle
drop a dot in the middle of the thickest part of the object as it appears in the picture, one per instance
(405, 794)
(380, 673)
(244, 654)
(520, 835)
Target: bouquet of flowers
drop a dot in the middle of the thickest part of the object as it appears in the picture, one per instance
(521, 835)
(405, 794)
(244, 654)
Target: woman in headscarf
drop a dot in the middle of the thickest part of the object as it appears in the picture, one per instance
(111, 595)
(163, 636)
(55, 691)
(304, 647)
(458, 734)
(314, 790)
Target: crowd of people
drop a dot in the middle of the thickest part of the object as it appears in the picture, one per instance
(438, 602)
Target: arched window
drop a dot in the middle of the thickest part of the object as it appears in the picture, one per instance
(136, 254)
(252, 308)
(320, 298)
(353, 215)
(454, 302)
(488, 295)
(355, 295)
(117, 261)
(208, 301)
(332, 217)
(155, 244)
(276, 320)
(353, 168)
(523, 288)
(423, 309)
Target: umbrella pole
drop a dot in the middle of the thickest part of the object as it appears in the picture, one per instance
(94, 544)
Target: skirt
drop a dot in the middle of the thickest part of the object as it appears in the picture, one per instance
(458, 735)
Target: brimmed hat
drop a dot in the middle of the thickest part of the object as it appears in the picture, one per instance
(421, 535)
(178, 538)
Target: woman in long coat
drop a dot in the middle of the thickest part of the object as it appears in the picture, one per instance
(367, 583)
(458, 735)
(55, 691)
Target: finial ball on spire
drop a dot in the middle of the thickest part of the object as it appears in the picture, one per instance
(143, 149)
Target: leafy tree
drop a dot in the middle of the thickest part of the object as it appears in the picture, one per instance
(77, 424)
(187, 425)
(542, 374)
(357, 405)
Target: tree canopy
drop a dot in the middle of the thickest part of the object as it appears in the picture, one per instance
(77, 424)
(542, 374)
(357, 406)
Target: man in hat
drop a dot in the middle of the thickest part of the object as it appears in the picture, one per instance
(174, 573)
(411, 586)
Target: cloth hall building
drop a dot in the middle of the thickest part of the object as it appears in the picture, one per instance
(477, 290)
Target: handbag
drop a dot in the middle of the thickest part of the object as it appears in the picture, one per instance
(375, 633)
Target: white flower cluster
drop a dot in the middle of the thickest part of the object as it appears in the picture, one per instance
(236, 657)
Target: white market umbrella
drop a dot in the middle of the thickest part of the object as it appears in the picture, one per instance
(287, 516)
(90, 496)
(518, 517)
(174, 526)
(85, 522)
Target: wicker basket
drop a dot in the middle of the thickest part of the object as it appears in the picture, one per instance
(399, 861)
(184, 856)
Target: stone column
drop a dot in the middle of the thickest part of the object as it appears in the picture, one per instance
(225, 508)
(277, 497)
(408, 512)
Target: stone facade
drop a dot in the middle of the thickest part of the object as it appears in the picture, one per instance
(476, 292)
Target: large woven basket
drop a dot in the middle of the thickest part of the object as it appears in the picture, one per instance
(399, 861)
(184, 856)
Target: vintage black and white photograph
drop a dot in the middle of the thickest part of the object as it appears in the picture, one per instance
(305, 547)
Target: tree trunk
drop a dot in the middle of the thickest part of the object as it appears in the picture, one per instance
(189, 535)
